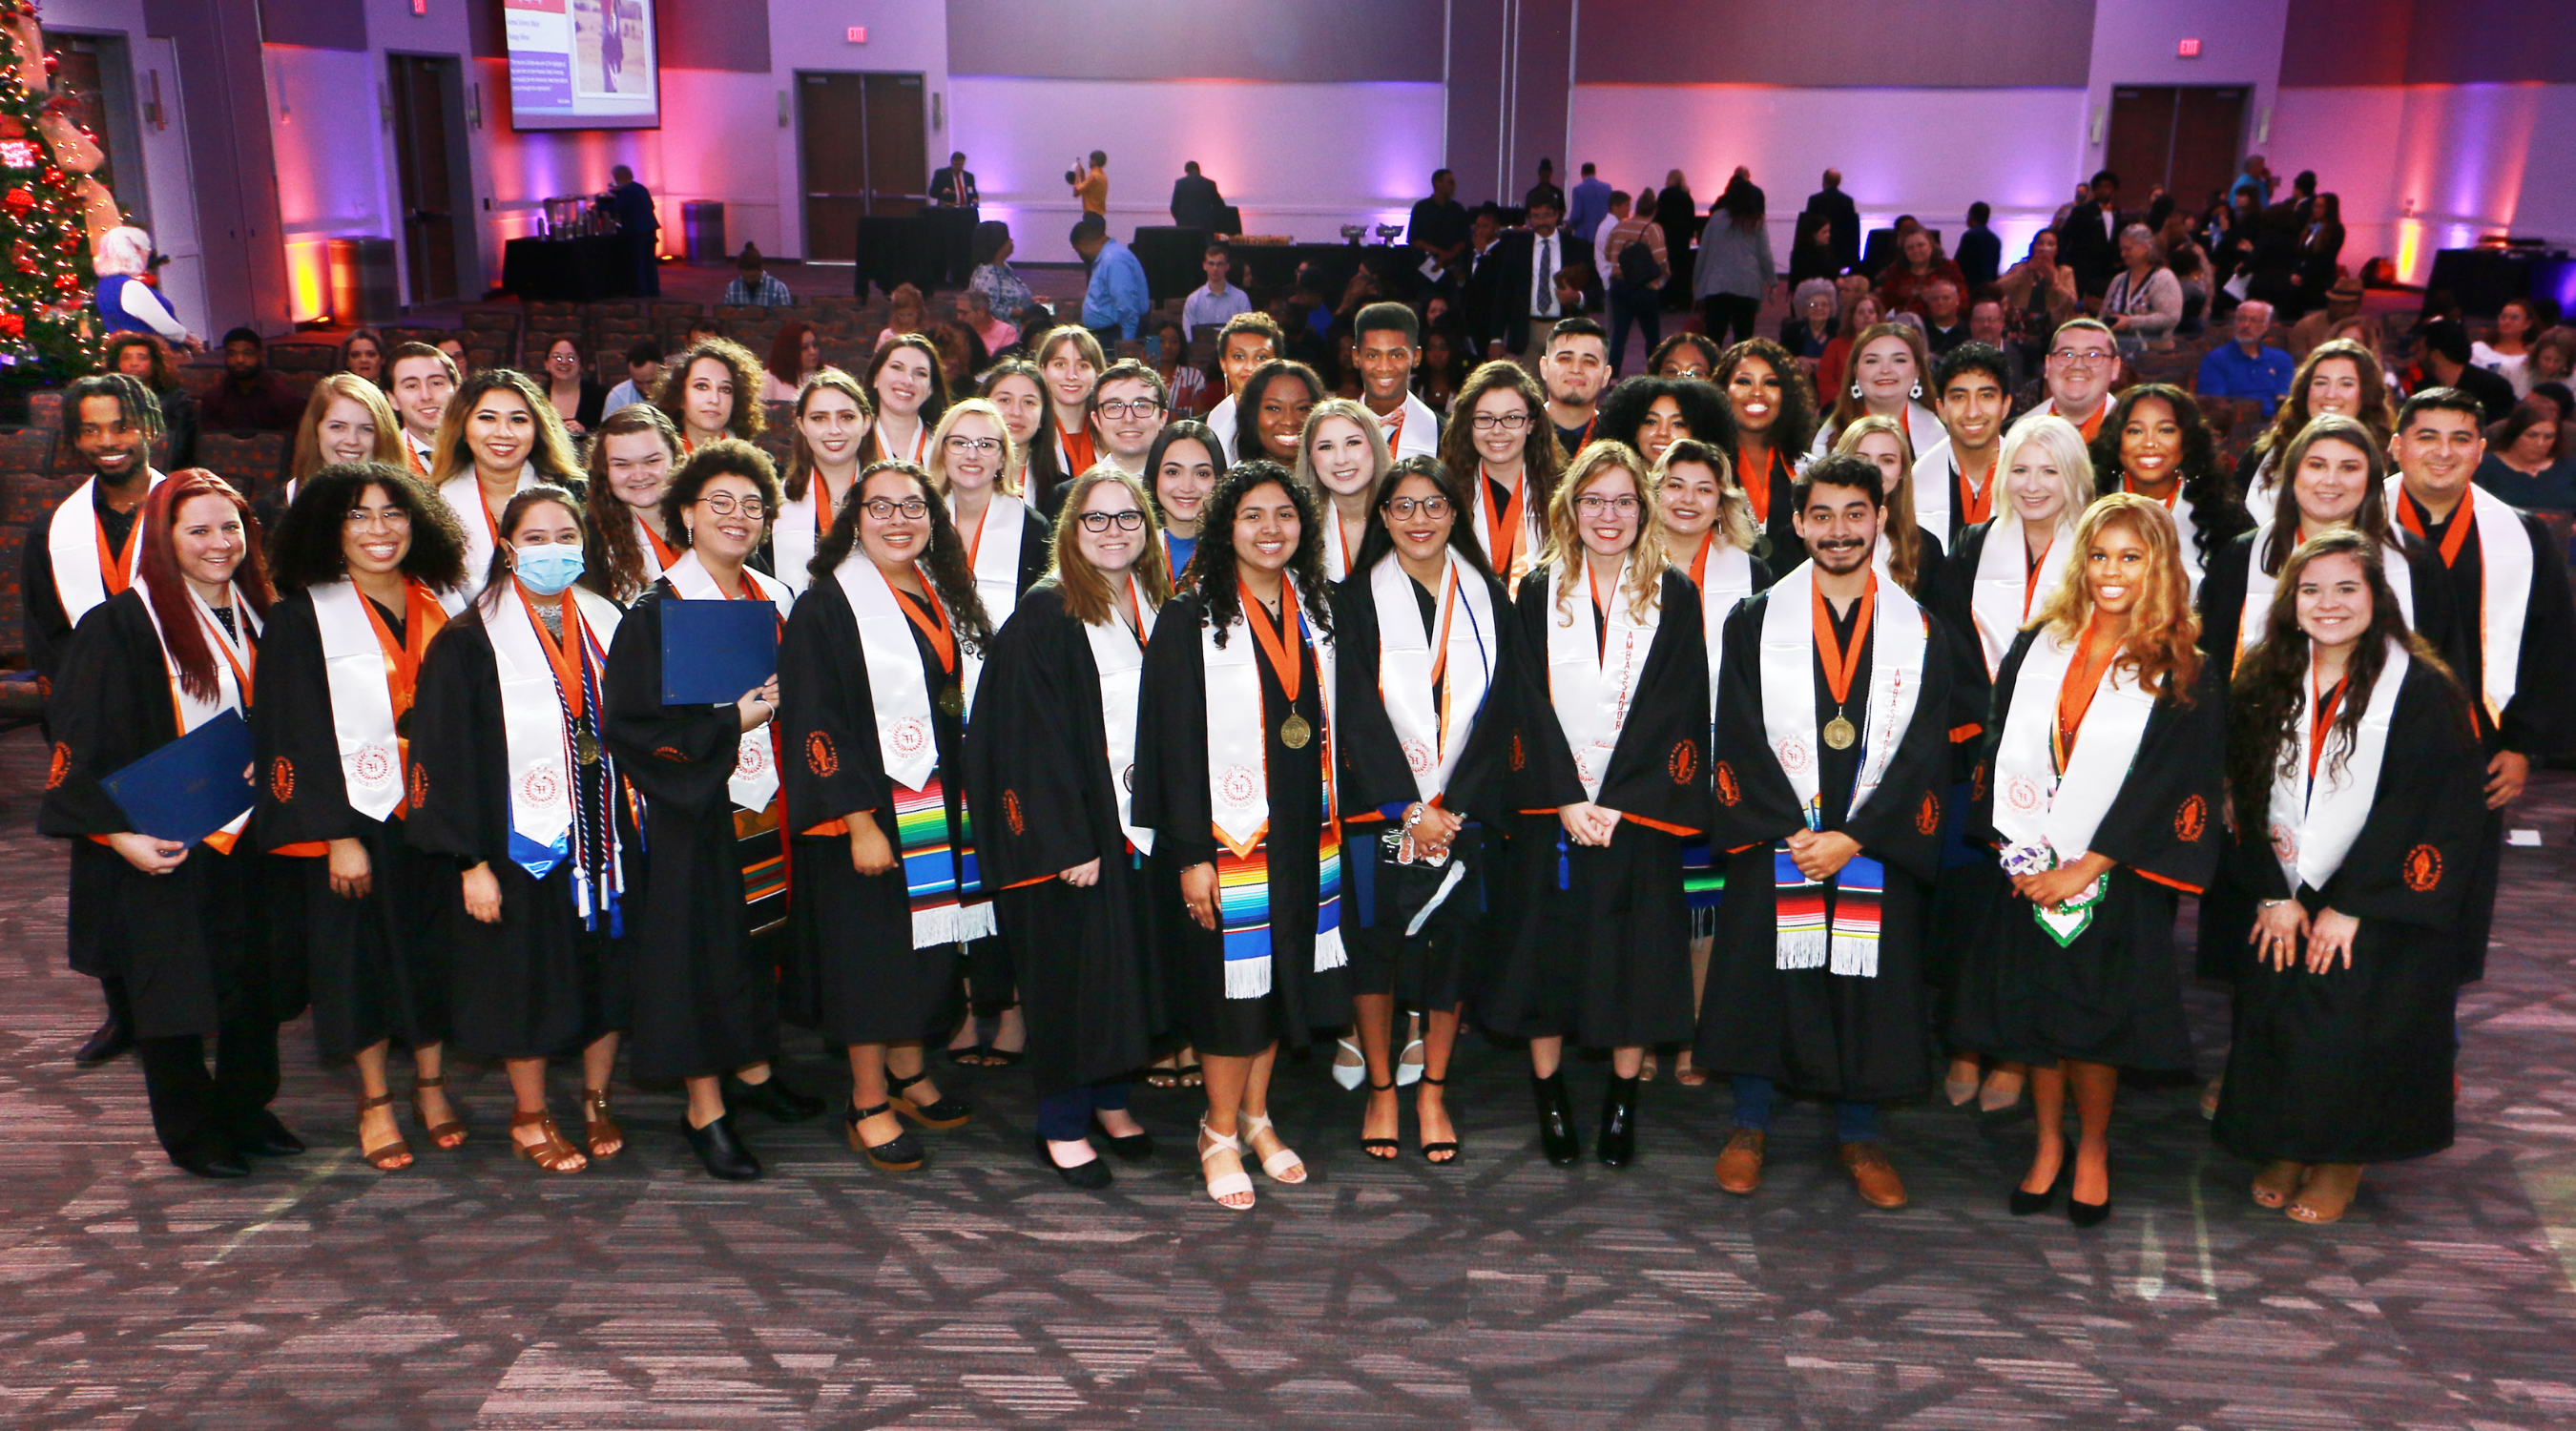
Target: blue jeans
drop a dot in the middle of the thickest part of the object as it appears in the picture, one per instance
(1853, 1122)
(1066, 1117)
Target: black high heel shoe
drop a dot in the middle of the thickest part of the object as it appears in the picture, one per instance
(1132, 1148)
(1617, 1145)
(2029, 1204)
(1449, 1147)
(948, 1112)
(1090, 1177)
(1556, 1135)
(773, 1097)
(1383, 1149)
(2087, 1214)
(723, 1153)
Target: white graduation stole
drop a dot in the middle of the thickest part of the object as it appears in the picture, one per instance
(540, 756)
(233, 657)
(1533, 529)
(2315, 821)
(652, 554)
(2253, 621)
(1119, 656)
(1339, 549)
(1899, 637)
(994, 548)
(800, 527)
(1238, 766)
(2048, 817)
(1593, 685)
(2263, 495)
(1433, 738)
(2504, 586)
(73, 539)
(755, 761)
(2002, 596)
(898, 689)
(362, 700)
(464, 496)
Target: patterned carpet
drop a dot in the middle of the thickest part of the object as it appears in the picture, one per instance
(472, 1292)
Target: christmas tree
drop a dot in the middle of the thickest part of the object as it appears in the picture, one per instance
(48, 332)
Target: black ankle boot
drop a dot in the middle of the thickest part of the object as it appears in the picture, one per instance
(773, 1097)
(721, 1149)
(1618, 1144)
(1556, 1135)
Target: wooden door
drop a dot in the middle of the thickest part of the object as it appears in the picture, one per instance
(421, 153)
(898, 161)
(863, 139)
(2186, 139)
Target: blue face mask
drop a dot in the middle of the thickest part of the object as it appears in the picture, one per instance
(546, 570)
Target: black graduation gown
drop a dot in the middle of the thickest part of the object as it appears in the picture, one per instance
(2539, 721)
(1840, 1035)
(1089, 969)
(1777, 543)
(1599, 951)
(48, 628)
(706, 989)
(2113, 995)
(849, 968)
(2354, 1065)
(379, 966)
(992, 965)
(1430, 969)
(192, 946)
(2227, 909)
(538, 982)
(1171, 799)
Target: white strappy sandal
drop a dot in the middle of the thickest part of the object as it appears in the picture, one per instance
(1408, 1064)
(1221, 1186)
(1352, 1074)
(1279, 1164)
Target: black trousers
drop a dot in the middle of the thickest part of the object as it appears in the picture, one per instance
(195, 1112)
(120, 1004)
(1722, 312)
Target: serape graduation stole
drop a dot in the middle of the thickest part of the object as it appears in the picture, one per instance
(1238, 733)
(1827, 924)
(949, 903)
(1243, 910)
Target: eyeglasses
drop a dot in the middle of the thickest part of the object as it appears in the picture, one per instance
(1139, 407)
(1433, 508)
(884, 509)
(976, 445)
(1595, 506)
(1130, 520)
(1506, 421)
(725, 504)
(393, 517)
(2080, 357)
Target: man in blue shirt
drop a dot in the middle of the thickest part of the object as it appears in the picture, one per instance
(1586, 206)
(1117, 298)
(2245, 368)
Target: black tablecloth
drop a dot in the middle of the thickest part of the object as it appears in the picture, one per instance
(931, 249)
(2481, 279)
(1171, 257)
(571, 270)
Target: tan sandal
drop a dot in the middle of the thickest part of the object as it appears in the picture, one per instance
(598, 1127)
(2279, 1182)
(390, 1157)
(556, 1154)
(2320, 1200)
(448, 1136)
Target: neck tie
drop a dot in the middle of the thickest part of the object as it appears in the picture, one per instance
(1543, 301)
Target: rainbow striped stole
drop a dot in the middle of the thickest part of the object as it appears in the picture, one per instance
(1243, 911)
(949, 902)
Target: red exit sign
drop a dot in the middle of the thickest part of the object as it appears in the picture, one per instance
(2188, 49)
(859, 35)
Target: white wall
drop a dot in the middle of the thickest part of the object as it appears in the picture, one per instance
(2137, 42)
(1925, 152)
(1297, 159)
(904, 37)
(167, 182)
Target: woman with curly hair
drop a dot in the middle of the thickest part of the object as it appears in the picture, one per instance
(2102, 803)
(2343, 1050)
(361, 559)
(1615, 723)
(712, 392)
(1775, 417)
(1651, 413)
(2341, 377)
(1236, 776)
(874, 671)
(500, 437)
(911, 395)
(1487, 445)
(2156, 444)
(632, 456)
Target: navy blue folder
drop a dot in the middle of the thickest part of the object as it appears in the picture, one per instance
(191, 787)
(714, 651)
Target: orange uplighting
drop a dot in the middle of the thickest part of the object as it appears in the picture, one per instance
(308, 280)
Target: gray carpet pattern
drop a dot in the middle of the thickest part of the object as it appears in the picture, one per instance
(474, 1292)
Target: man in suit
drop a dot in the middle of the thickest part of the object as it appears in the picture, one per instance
(954, 186)
(2089, 240)
(1195, 202)
(1526, 300)
(1837, 206)
(632, 203)
(1473, 276)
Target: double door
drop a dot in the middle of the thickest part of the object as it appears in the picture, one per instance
(864, 141)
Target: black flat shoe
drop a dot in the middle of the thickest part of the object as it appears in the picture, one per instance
(721, 1150)
(112, 1040)
(2030, 1204)
(898, 1154)
(1556, 1135)
(264, 1137)
(1617, 1146)
(774, 1098)
(948, 1112)
(217, 1163)
(1090, 1177)
(1133, 1148)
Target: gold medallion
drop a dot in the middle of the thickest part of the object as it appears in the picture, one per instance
(1294, 732)
(952, 701)
(585, 746)
(1839, 733)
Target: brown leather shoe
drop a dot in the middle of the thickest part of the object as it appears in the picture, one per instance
(1874, 1175)
(1739, 1164)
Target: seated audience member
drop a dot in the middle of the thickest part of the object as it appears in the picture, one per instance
(1986, 325)
(2441, 351)
(643, 375)
(961, 353)
(2143, 302)
(906, 312)
(1979, 253)
(363, 353)
(1810, 324)
(1189, 385)
(2245, 368)
(2039, 292)
(251, 398)
(1219, 299)
(754, 284)
(146, 359)
(2523, 463)
(1003, 290)
(1902, 286)
(975, 310)
(794, 355)
(2509, 356)
(1944, 325)
(576, 396)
